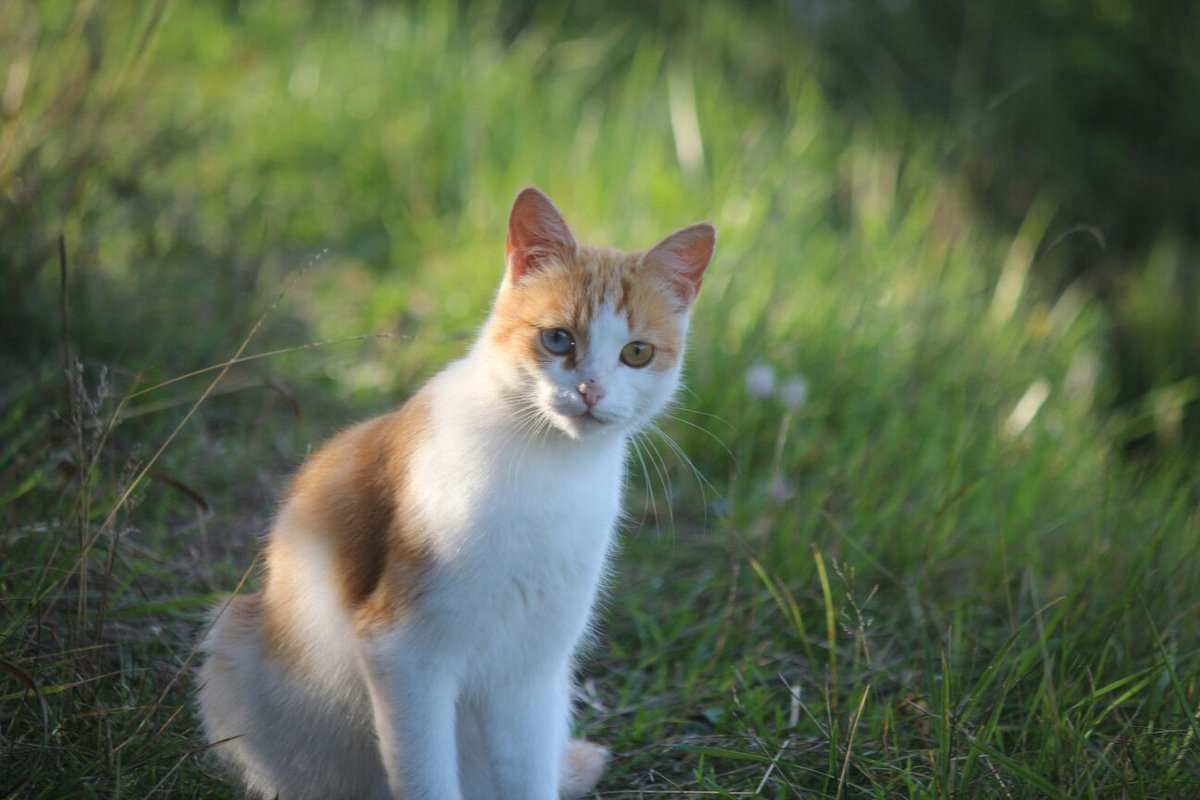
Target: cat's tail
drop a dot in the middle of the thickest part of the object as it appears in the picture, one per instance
(226, 692)
(582, 767)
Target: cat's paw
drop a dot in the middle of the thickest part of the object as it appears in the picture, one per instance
(582, 767)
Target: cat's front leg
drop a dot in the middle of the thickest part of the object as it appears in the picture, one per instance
(413, 704)
(525, 729)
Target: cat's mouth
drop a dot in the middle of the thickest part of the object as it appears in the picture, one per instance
(584, 423)
(590, 419)
(576, 420)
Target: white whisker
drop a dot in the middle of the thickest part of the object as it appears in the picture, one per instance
(637, 450)
(660, 467)
(529, 424)
(702, 429)
(701, 481)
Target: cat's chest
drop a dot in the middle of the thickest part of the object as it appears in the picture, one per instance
(520, 546)
(506, 506)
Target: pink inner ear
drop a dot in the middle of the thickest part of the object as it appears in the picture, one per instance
(536, 229)
(686, 253)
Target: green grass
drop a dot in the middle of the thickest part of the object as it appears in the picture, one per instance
(935, 577)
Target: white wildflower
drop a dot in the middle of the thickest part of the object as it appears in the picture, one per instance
(794, 392)
(760, 380)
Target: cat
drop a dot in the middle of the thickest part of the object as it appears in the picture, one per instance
(431, 572)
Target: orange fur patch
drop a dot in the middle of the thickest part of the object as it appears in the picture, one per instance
(351, 495)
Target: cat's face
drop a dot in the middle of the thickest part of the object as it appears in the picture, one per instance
(592, 339)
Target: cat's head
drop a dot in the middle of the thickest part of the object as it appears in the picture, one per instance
(590, 340)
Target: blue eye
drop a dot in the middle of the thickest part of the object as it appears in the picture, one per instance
(557, 341)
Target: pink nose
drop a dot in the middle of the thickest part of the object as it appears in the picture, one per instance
(591, 391)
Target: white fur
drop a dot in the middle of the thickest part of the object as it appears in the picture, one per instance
(468, 696)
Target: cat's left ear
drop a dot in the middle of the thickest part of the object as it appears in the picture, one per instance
(686, 254)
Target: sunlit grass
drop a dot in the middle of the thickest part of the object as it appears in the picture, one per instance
(928, 574)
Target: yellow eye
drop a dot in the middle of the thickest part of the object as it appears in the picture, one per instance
(637, 354)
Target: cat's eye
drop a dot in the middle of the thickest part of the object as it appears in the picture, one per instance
(558, 341)
(637, 354)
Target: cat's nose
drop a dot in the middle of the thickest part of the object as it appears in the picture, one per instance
(591, 392)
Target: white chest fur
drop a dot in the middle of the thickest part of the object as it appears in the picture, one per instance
(519, 528)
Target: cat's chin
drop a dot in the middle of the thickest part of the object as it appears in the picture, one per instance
(586, 425)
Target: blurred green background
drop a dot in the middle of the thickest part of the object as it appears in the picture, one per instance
(936, 531)
(193, 156)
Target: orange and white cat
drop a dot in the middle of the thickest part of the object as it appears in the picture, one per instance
(432, 572)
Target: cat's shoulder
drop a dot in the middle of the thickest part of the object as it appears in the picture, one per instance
(349, 496)
(370, 452)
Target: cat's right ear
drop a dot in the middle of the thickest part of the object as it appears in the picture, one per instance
(536, 231)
